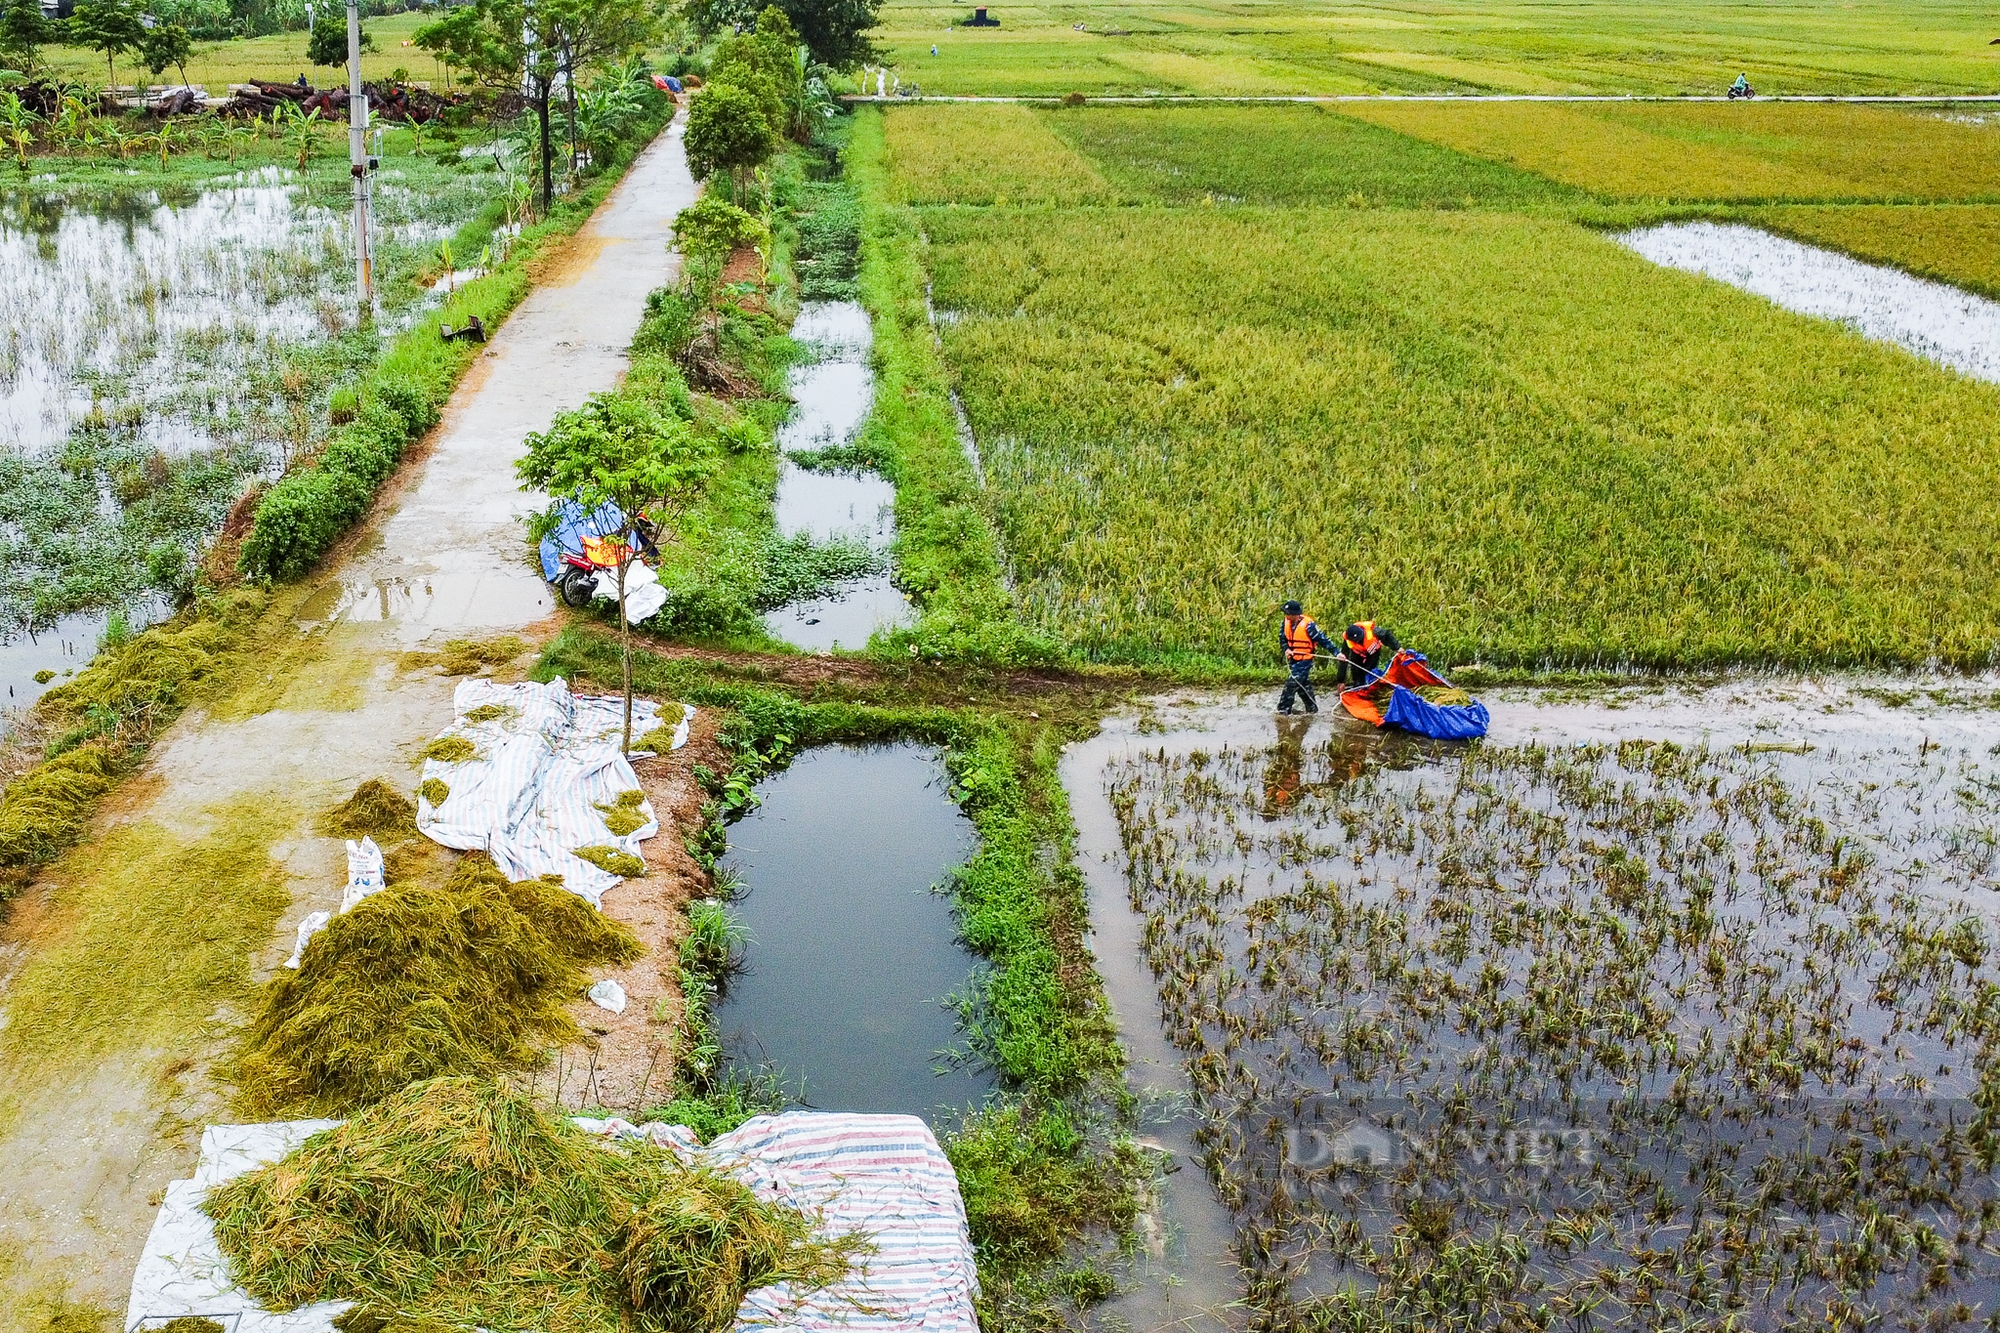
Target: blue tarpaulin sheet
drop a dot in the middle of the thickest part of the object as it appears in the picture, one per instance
(1406, 673)
(1446, 722)
(607, 520)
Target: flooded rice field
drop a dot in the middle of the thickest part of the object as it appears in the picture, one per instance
(1661, 1008)
(853, 956)
(834, 392)
(1932, 319)
(164, 347)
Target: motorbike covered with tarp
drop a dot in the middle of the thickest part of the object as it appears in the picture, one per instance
(1408, 694)
(581, 554)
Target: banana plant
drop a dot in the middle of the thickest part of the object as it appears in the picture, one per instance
(17, 125)
(298, 127)
(813, 102)
(167, 138)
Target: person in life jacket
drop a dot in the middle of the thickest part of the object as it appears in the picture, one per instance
(1299, 636)
(1360, 652)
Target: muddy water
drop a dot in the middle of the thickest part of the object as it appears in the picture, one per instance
(852, 953)
(61, 650)
(833, 392)
(151, 292)
(1905, 778)
(1934, 320)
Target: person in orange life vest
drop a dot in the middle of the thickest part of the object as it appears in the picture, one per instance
(1360, 652)
(1299, 636)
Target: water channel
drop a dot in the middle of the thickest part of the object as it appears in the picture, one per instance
(1212, 834)
(852, 953)
(834, 392)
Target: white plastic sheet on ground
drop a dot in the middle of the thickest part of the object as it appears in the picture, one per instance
(182, 1270)
(880, 1174)
(1937, 321)
(883, 1175)
(548, 767)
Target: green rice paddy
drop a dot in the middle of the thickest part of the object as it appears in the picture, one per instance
(1216, 356)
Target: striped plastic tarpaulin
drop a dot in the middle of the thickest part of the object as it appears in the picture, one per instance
(883, 1175)
(546, 769)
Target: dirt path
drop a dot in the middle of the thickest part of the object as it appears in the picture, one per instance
(96, 1118)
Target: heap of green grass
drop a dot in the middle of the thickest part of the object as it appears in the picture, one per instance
(459, 1200)
(470, 978)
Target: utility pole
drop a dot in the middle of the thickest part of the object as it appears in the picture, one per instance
(357, 157)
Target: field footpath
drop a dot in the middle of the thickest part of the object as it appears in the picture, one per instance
(212, 846)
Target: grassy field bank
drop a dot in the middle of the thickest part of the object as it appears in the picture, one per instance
(1338, 46)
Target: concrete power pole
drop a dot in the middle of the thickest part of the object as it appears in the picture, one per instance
(357, 156)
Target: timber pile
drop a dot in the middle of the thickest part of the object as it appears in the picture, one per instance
(389, 102)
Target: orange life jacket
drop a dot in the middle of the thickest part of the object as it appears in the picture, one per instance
(1298, 638)
(1367, 644)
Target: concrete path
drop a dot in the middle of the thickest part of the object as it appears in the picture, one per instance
(80, 1164)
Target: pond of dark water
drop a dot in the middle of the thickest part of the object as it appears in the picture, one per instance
(853, 953)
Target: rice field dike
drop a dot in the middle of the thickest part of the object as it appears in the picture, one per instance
(1210, 356)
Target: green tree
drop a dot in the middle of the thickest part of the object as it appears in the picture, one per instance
(728, 130)
(22, 30)
(166, 44)
(617, 450)
(327, 45)
(509, 44)
(110, 26)
(836, 30)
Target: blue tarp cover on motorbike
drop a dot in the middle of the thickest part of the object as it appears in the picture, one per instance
(573, 525)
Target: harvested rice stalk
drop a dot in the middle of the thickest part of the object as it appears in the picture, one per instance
(623, 816)
(471, 978)
(451, 750)
(612, 861)
(376, 809)
(492, 713)
(434, 790)
(459, 1201)
(190, 1323)
(1444, 696)
(660, 740)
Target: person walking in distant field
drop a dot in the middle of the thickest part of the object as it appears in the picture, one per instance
(1299, 636)
(1360, 650)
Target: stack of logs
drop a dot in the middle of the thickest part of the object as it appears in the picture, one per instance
(392, 102)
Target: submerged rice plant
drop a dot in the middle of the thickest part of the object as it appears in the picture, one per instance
(1637, 1036)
